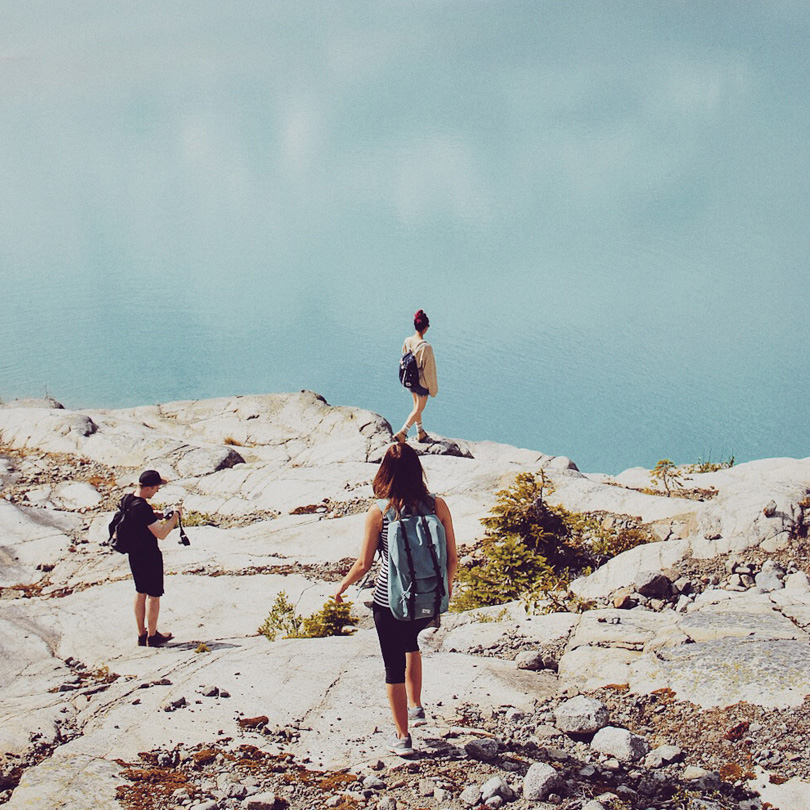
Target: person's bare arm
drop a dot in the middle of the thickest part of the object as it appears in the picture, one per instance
(443, 513)
(371, 539)
(162, 528)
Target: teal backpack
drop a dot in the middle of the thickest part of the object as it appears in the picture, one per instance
(417, 564)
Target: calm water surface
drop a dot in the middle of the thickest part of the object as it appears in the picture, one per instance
(603, 208)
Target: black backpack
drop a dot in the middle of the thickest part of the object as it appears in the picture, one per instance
(122, 534)
(409, 370)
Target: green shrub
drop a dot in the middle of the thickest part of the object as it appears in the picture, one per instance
(192, 518)
(522, 511)
(332, 619)
(509, 569)
(666, 474)
(282, 619)
(533, 549)
(710, 466)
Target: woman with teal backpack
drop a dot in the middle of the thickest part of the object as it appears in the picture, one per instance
(413, 532)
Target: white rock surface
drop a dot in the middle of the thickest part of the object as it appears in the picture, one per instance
(259, 458)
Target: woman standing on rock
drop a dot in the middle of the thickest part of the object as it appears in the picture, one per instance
(427, 384)
(400, 486)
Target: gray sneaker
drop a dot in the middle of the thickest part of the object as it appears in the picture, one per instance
(416, 716)
(401, 746)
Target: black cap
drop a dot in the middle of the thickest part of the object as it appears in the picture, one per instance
(151, 478)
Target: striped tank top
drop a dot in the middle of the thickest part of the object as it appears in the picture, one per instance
(381, 586)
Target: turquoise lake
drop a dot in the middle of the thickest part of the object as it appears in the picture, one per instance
(604, 207)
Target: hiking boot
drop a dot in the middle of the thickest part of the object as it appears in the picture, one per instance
(416, 716)
(158, 640)
(142, 640)
(401, 437)
(422, 436)
(401, 746)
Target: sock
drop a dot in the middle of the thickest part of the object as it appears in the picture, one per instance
(419, 428)
(405, 428)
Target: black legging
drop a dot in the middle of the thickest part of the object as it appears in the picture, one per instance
(396, 639)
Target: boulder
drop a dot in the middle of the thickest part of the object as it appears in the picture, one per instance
(771, 577)
(700, 777)
(260, 801)
(530, 659)
(625, 598)
(581, 715)
(540, 781)
(620, 744)
(797, 581)
(484, 749)
(471, 795)
(496, 786)
(653, 584)
(662, 755)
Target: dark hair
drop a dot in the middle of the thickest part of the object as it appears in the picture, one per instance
(401, 478)
(420, 320)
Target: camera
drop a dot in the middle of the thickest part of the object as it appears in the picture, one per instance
(168, 514)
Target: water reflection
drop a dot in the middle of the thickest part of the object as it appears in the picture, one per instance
(602, 208)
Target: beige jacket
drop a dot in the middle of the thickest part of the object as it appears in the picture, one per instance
(423, 352)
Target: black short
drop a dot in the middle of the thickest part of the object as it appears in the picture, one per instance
(147, 571)
(396, 638)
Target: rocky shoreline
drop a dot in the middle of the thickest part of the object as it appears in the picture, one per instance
(685, 685)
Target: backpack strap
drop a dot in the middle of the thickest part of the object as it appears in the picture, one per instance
(429, 503)
(411, 347)
(411, 571)
(123, 507)
(436, 567)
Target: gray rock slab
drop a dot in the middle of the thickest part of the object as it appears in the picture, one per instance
(629, 566)
(628, 629)
(29, 537)
(314, 684)
(76, 495)
(726, 671)
(92, 783)
(750, 616)
(593, 667)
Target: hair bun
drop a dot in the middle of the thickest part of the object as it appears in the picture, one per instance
(419, 314)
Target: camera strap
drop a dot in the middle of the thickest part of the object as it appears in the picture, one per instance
(183, 536)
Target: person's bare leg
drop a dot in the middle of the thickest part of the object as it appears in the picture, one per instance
(398, 701)
(413, 678)
(152, 611)
(412, 417)
(420, 407)
(140, 612)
